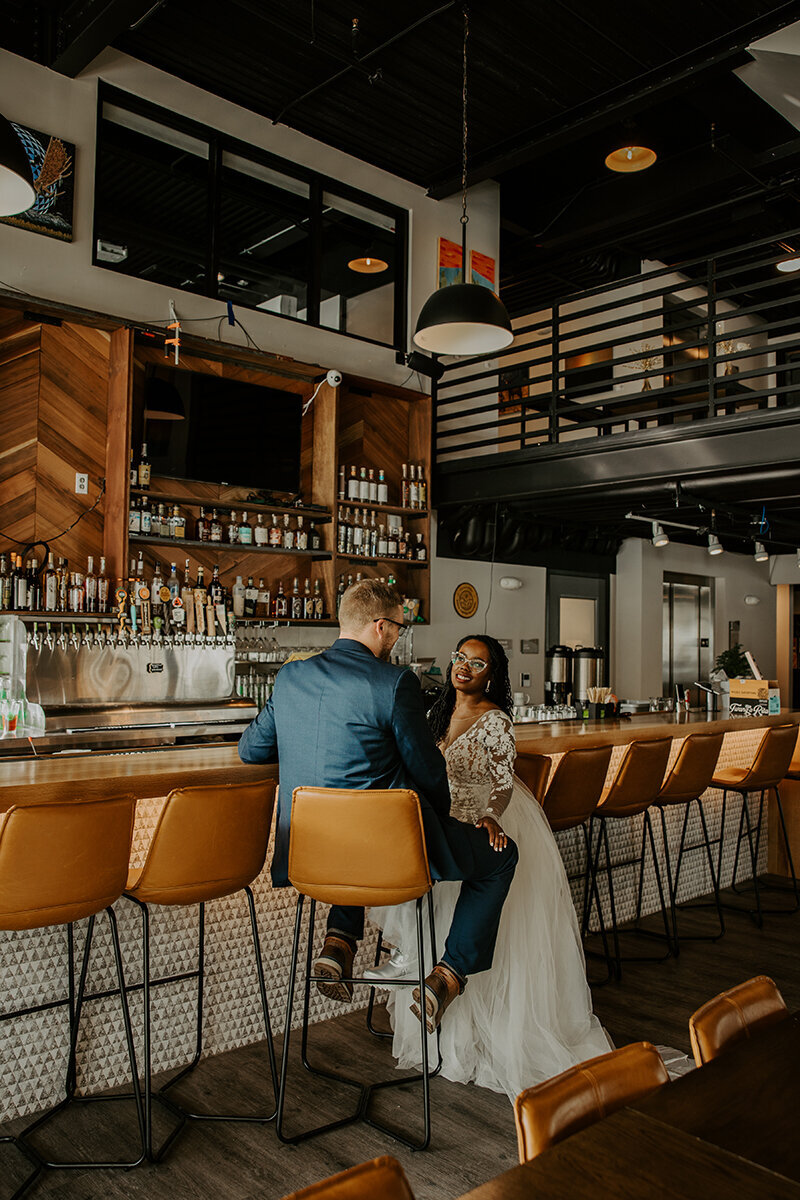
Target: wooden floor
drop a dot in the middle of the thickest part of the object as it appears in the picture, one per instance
(473, 1131)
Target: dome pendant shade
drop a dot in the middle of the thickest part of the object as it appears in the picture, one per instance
(631, 158)
(16, 181)
(464, 318)
(368, 265)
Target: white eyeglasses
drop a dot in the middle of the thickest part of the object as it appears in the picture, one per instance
(460, 660)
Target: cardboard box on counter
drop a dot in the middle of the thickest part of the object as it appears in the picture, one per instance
(755, 697)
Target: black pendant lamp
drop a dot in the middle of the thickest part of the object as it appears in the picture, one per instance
(464, 318)
(16, 180)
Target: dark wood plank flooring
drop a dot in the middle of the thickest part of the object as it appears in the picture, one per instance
(473, 1130)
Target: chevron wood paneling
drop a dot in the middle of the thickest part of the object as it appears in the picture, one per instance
(19, 397)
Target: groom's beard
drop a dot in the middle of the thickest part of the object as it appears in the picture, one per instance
(385, 652)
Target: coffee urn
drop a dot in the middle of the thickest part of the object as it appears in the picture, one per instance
(588, 671)
(557, 675)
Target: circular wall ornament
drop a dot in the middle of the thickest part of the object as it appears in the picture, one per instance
(465, 600)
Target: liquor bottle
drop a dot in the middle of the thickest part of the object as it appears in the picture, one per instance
(402, 544)
(144, 468)
(145, 517)
(250, 598)
(133, 474)
(238, 590)
(157, 584)
(5, 583)
(201, 529)
(288, 533)
(161, 523)
(245, 531)
(33, 597)
(341, 532)
(308, 602)
(297, 601)
(173, 583)
(383, 489)
(50, 588)
(20, 586)
(134, 517)
(77, 594)
(373, 487)
(215, 590)
(281, 604)
(233, 529)
(422, 488)
(275, 535)
(301, 536)
(215, 531)
(372, 549)
(383, 544)
(200, 602)
(263, 604)
(63, 585)
(187, 596)
(413, 490)
(314, 539)
(391, 544)
(352, 485)
(420, 552)
(103, 588)
(363, 486)
(178, 523)
(318, 602)
(358, 534)
(260, 533)
(340, 591)
(342, 484)
(90, 586)
(404, 488)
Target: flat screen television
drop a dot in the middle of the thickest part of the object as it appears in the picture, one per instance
(231, 432)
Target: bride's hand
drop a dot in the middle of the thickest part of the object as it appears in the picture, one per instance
(497, 839)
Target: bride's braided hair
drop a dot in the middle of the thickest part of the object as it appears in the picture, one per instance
(498, 691)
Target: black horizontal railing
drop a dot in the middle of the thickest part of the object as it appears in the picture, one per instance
(704, 340)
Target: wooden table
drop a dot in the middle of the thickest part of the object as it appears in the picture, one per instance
(630, 1156)
(745, 1101)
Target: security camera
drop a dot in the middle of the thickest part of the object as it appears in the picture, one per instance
(334, 378)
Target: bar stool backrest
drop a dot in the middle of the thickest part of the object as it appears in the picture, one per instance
(209, 842)
(533, 770)
(559, 1107)
(693, 769)
(773, 758)
(61, 862)
(360, 847)
(576, 786)
(381, 1179)
(733, 1016)
(638, 779)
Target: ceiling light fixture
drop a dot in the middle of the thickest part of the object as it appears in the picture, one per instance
(714, 544)
(463, 318)
(660, 538)
(791, 262)
(16, 179)
(759, 552)
(368, 265)
(627, 159)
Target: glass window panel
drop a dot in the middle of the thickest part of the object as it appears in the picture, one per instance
(151, 211)
(577, 621)
(263, 245)
(359, 302)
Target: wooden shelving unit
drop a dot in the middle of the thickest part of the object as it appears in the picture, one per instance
(225, 547)
(320, 516)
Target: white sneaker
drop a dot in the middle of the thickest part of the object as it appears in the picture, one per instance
(397, 966)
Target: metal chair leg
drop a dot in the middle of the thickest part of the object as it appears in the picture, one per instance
(756, 886)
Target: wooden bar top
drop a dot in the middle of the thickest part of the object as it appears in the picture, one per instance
(555, 737)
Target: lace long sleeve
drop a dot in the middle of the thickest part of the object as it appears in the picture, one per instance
(497, 734)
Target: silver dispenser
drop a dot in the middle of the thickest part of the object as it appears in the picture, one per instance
(588, 671)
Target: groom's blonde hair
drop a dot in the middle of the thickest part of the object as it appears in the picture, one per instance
(365, 601)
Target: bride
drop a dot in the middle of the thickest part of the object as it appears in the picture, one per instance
(530, 1016)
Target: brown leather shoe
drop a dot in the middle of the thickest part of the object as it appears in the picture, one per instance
(441, 988)
(335, 961)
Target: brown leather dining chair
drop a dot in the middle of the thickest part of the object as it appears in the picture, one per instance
(62, 863)
(734, 1016)
(386, 864)
(381, 1179)
(209, 842)
(632, 792)
(554, 1110)
(767, 771)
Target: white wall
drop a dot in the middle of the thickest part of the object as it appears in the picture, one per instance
(45, 268)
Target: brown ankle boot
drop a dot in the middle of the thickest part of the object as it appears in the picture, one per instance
(441, 988)
(335, 961)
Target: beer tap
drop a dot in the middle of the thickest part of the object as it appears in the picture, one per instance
(74, 639)
(62, 638)
(34, 640)
(49, 639)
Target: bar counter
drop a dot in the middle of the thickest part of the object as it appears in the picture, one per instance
(33, 964)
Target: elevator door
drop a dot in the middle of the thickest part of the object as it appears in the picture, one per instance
(687, 630)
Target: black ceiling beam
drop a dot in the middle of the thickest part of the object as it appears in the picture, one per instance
(79, 41)
(614, 105)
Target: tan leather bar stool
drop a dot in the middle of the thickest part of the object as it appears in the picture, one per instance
(690, 776)
(209, 842)
(636, 785)
(766, 772)
(385, 864)
(60, 863)
(733, 1016)
(381, 1179)
(569, 802)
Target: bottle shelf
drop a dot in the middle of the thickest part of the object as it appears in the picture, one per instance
(226, 547)
(280, 622)
(392, 562)
(320, 516)
(413, 514)
(40, 615)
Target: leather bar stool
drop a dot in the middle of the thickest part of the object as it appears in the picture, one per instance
(687, 779)
(385, 864)
(632, 792)
(733, 1016)
(570, 800)
(209, 842)
(381, 1179)
(582, 1095)
(61, 863)
(766, 772)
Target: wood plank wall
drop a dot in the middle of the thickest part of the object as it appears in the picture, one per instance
(20, 345)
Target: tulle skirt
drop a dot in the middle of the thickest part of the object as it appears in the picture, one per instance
(530, 1016)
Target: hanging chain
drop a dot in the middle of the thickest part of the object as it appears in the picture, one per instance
(464, 217)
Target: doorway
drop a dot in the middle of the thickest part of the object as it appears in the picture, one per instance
(687, 647)
(577, 610)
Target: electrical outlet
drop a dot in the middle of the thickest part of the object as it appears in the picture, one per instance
(81, 483)
(524, 679)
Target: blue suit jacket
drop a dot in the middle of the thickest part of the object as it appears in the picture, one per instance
(345, 719)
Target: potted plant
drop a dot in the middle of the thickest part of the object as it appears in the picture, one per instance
(734, 663)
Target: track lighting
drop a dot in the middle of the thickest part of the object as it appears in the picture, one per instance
(714, 544)
(759, 553)
(660, 538)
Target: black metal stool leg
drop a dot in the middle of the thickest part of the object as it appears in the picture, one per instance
(378, 1033)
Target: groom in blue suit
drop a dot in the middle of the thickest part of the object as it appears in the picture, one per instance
(348, 718)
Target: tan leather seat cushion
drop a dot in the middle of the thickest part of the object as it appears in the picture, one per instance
(381, 1179)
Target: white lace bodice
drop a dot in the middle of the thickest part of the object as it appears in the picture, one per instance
(480, 767)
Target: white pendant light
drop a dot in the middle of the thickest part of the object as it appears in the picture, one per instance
(16, 180)
(464, 318)
(714, 544)
(660, 538)
(759, 552)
